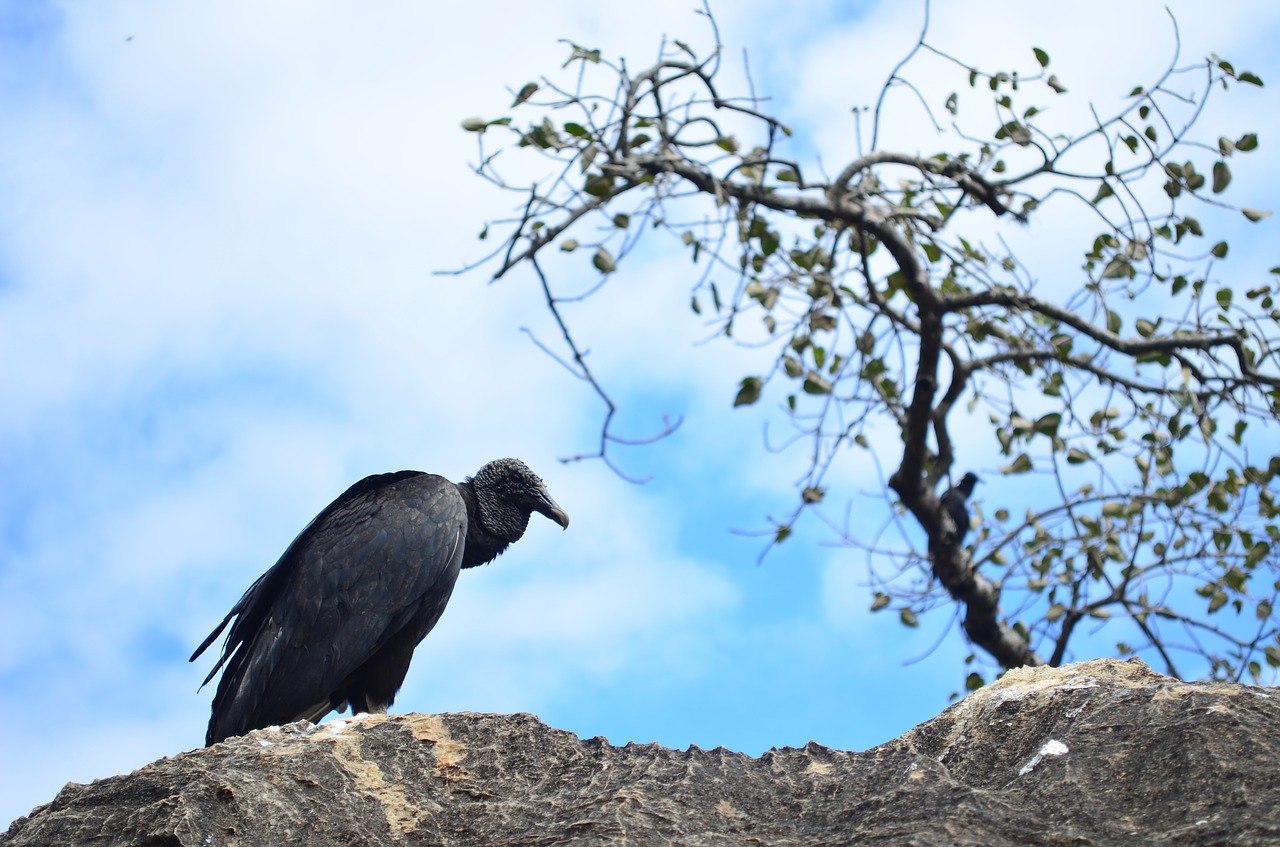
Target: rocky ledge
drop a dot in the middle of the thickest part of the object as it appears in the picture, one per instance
(1102, 752)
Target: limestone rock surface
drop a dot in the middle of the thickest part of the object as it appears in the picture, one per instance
(1098, 753)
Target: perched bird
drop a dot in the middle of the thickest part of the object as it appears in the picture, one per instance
(954, 501)
(334, 623)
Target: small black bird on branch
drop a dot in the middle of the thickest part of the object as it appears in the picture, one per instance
(955, 502)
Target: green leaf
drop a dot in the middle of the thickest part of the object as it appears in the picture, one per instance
(1250, 78)
(1256, 553)
(748, 391)
(1021, 464)
(581, 53)
(1247, 142)
(908, 618)
(1048, 424)
(1219, 250)
(577, 130)
(727, 143)
(769, 242)
(1057, 86)
(881, 600)
(820, 321)
(1076, 456)
(1221, 177)
(543, 136)
(1255, 215)
(1015, 132)
(525, 93)
(1041, 57)
(599, 185)
(815, 384)
(1119, 267)
(603, 261)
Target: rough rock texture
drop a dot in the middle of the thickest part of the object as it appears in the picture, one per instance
(1102, 752)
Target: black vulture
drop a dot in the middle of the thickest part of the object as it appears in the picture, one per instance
(335, 621)
(954, 502)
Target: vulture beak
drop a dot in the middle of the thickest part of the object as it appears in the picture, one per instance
(544, 505)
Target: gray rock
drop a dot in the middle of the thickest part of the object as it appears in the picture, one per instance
(1101, 752)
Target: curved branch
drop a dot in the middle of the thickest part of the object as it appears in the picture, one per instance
(1172, 344)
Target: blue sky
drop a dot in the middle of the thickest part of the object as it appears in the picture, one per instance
(218, 232)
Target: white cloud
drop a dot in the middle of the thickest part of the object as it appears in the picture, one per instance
(519, 631)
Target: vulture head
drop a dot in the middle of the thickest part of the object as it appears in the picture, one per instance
(507, 493)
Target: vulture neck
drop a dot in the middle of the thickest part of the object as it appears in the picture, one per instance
(490, 527)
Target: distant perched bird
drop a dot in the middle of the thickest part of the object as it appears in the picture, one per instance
(334, 623)
(954, 501)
